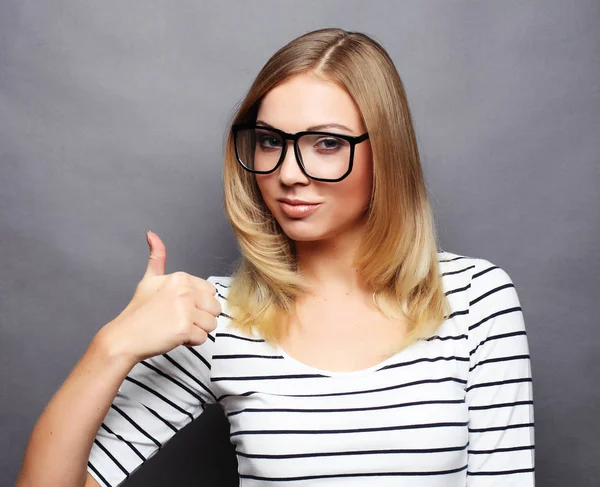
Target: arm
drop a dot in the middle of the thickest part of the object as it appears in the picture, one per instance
(60, 443)
(114, 412)
(499, 387)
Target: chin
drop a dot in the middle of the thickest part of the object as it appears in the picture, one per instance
(303, 238)
(292, 228)
(300, 236)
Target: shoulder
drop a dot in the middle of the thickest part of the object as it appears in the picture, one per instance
(479, 288)
(489, 301)
(477, 273)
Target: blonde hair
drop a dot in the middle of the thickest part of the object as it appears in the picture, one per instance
(397, 260)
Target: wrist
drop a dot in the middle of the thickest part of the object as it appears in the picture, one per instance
(110, 348)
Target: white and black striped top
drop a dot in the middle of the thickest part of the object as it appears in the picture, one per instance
(449, 411)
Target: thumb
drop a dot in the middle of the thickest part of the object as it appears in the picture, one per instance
(158, 255)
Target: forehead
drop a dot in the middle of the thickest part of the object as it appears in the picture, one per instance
(306, 100)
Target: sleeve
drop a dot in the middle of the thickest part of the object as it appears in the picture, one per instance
(499, 392)
(159, 396)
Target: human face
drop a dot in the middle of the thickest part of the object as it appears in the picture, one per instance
(298, 104)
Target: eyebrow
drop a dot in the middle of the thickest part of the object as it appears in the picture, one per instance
(314, 127)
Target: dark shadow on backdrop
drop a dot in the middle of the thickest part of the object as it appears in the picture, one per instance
(198, 455)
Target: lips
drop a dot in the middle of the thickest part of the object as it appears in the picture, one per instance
(293, 201)
(298, 210)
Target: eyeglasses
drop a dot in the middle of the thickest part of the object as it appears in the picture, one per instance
(323, 156)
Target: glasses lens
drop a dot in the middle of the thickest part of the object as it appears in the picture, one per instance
(324, 156)
(259, 149)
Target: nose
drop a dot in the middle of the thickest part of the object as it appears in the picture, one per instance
(290, 171)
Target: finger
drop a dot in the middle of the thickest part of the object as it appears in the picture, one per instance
(209, 304)
(203, 319)
(203, 285)
(197, 336)
(157, 262)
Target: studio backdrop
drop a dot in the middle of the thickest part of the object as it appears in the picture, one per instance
(112, 120)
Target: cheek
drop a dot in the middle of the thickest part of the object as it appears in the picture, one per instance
(267, 186)
(352, 195)
(359, 183)
(264, 185)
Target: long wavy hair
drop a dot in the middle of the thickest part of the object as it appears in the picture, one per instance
(397, 259)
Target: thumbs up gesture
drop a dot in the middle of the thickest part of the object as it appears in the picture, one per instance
(167, 310)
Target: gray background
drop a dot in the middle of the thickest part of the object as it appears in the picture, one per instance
(112, 117)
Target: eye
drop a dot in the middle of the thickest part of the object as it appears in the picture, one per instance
(268, 141)
(330, 144)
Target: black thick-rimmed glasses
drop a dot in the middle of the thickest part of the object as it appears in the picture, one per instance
(322, 156)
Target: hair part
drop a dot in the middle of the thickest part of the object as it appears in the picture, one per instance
(398, 257)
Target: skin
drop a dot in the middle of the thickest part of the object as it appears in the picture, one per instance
(327, 240)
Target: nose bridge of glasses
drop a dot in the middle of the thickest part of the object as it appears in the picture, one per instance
(290, 152)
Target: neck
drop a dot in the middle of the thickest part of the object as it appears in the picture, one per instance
(327, 265)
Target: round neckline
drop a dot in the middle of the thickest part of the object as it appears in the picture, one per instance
(341, 374)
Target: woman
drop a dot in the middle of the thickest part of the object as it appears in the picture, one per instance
(345, 349)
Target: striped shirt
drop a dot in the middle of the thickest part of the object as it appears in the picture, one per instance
(451, 410)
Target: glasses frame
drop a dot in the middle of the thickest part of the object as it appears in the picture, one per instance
(353, 140)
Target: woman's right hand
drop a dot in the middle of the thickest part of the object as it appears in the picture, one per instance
(166, 311)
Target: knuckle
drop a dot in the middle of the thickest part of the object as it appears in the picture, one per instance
(216, 305)
(206, 321)
(183, 327)
(201, 301)
(209, 323)
(179, 277)
(212, 306)
(183, 291)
